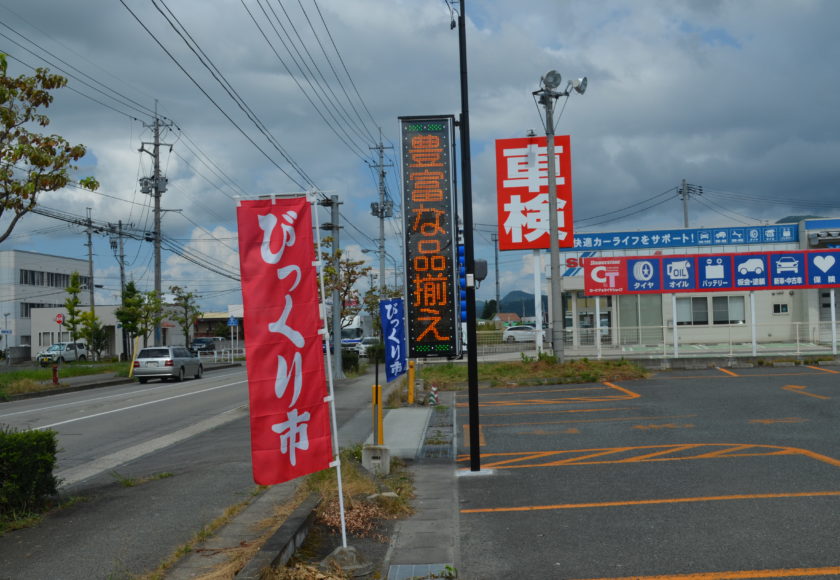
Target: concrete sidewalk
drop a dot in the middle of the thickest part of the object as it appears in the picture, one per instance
(423, 544)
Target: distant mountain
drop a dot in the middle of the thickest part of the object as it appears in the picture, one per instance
(521, 303)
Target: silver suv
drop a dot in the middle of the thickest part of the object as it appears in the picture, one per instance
(62, 352)
(166, 362)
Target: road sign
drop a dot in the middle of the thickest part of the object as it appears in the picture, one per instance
(233, 321)
(59, 318)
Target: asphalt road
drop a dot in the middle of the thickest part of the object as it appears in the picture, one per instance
(714, 474)
(188, 442)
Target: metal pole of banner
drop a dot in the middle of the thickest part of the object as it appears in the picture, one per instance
(538, 300)
(674, 325)
(752, 321)
(469, 252)
(330, 380)
(597, 325)
(833, 325)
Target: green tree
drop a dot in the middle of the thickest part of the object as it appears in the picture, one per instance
(129, 314)
(73, 320)
(343, 273)
(93, 333)
(186, 311)
(29, 161)
(151, 315)
(371, 303)
(490, 310)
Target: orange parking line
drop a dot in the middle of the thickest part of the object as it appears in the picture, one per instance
(738, 574)
(728, 372)
(568, 506)
(824, 370)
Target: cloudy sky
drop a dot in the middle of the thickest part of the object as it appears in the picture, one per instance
(736, 96)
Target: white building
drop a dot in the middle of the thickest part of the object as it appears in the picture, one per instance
(797, 314)
(29, 280)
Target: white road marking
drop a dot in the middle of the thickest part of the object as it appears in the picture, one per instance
(121, 409)
(81, 472)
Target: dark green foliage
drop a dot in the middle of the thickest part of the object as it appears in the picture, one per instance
(349, 360)
(27, 459)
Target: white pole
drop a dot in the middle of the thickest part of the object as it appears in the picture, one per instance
(833, 325)
(598, 325)
(674, 325)
(752, 320)
(331, 397)
(538, 300)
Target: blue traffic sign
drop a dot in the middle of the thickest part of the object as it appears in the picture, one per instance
(233, 321)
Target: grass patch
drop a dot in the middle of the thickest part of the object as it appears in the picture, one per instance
(135, 481)
(19, 521)
(37, 379)
(545, 370)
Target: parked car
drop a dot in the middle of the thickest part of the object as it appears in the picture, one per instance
(203, 344)
(366, 343)
(167, 362)
(63, 352)
(520, 333)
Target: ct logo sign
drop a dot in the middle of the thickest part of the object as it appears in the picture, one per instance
(605, 276)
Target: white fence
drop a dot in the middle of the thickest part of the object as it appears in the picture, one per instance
(681, 341)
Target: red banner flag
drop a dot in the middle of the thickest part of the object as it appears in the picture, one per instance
(290, 420)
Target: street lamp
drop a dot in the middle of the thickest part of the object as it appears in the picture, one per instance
(387, 255)
(6, 328)
(548, 95)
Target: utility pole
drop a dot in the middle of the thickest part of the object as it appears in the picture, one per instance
(495, 238)
(333, 203)
(90, 258)
(119, 252)
(685, 191)
(382, 210)
(156, 186)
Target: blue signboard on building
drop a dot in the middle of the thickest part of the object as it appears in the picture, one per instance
(643, 274)
(750, 271)
(782, 233)
(788, 269)
(823, 268)
(678, 273)
(714, 272)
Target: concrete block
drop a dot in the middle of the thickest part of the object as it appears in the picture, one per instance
(376, 459)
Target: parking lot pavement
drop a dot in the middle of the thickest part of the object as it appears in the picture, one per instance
(696, 472)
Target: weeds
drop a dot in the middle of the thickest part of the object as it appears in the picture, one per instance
(544, 369)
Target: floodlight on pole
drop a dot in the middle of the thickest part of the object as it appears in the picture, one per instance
(548, 95)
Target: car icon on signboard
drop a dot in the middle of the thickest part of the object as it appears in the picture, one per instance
(787, 264)
(752, 265)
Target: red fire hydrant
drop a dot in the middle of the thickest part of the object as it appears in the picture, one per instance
(55, 374)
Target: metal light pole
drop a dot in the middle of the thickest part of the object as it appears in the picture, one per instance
(6, 328)
(548, 96)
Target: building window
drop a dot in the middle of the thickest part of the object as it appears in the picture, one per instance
(780, 309)
(692, 311)
(728, 309)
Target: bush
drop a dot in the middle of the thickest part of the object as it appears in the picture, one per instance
(349, 360)
(27, 459)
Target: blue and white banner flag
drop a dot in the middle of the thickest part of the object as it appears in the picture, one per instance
(392, 313)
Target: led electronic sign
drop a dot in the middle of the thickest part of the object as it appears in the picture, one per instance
(429, 218)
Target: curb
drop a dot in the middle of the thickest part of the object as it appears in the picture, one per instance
(283, 544)
(94, 384)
